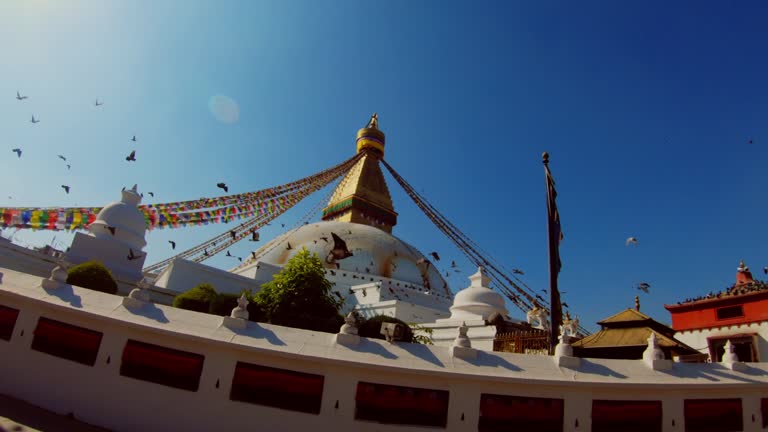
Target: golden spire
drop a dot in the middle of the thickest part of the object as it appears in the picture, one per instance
(371, 137)
(362, 195)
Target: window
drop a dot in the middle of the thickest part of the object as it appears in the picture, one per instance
(279, 388)
(743, 347)
(161, 365)
(506, 413)
(392, 404)
(8, 318)
(629, 416)
(67, 341)
(729, 312)
(713, 415)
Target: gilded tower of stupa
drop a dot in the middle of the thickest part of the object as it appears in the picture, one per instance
(362, 195)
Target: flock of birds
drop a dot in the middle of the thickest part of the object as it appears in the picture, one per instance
(35, 120)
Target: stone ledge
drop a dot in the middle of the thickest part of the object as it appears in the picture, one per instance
(663, 364)
(463, 353)
(735, 366)
(568, 362)
(130, 302)
(234, 323)
(347, 339)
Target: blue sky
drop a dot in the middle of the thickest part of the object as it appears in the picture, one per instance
(646, 111)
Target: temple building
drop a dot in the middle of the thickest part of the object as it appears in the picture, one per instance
(373, 271)
(738, 314)
(625, 336)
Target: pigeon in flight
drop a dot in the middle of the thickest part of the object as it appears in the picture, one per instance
(339, 251)
(20, 97)
(62, 158)
(223, 186)
(131, 157)
(435, 256)
(173, 244)
(632, 241)
(152, 194)
(517, 271)
(324, 238)
(69, 166)
(229, 254)
(233, 234)
(765, 270)
(34, 120)
(643, 286)
(255, 236)
(97, 103)
(112, 230)
(66, 188)
(253, 254)
(289, 247)
(17, 151)
(564, 304)
(750, 142)
(134, 138)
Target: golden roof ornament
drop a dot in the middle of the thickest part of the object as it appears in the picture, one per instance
(374, 122)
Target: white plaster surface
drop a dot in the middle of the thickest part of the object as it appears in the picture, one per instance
(100, 396)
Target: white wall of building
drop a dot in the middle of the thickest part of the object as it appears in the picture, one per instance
(101, 396)
(697, 339)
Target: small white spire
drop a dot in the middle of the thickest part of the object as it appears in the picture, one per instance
(462, 340)
(241, 311)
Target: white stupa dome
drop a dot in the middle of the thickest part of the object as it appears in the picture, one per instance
(375, 253)
(125, 218)
(477, 301)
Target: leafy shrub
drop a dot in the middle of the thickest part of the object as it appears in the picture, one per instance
(197, 299)
(92, 275)
(223, 304)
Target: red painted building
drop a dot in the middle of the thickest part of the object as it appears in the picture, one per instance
(740, 313)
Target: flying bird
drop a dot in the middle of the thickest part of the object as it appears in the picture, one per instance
(229, 254)
(750, 142)
(339, 251)
(20, 97)
(289, 246)
(17, 151)
(97, 103)
(112, 229)
(134, 138)
(152, 194)
(66, 188)
(69, 166)
(62, 158)
(255, 236)
(131, 157)
(240, 259)
(632, 241)
(565, 305)
(222, 186)
(282, 225)
(517, 271)
(253, 254)
(132, 256)
(173, 244)
(643, 286)
(765, 270)
(435, 256)
(233, 234)
(324, 238)
(34, 120)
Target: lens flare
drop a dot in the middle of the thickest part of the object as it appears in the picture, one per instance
(224, 108)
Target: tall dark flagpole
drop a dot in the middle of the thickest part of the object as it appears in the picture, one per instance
(554, 235)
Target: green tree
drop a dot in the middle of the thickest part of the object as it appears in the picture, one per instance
(197, 299)
(92, 275)
(300, 296)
